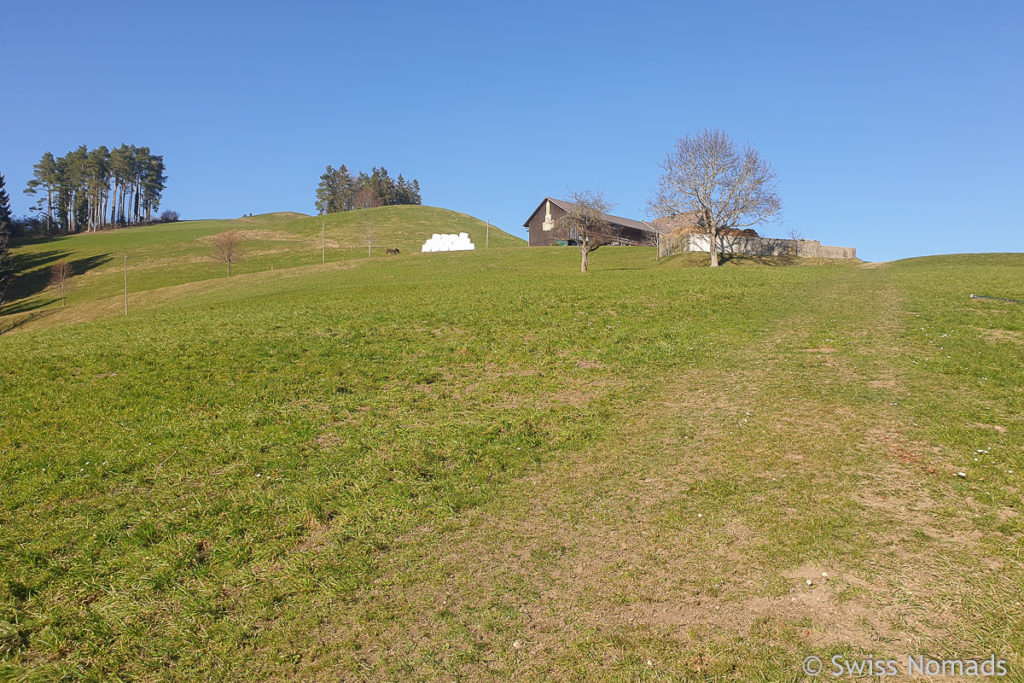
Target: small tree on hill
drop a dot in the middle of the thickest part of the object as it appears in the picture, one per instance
(728, 188)
(228, 248)
(586, 224)
(60, 278)
(368, 238)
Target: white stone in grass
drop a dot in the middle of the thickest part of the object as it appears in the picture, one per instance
(962, 475)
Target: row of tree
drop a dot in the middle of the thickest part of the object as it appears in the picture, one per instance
(85, 190)
(340, 191)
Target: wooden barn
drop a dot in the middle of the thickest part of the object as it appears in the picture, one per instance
(541, 224)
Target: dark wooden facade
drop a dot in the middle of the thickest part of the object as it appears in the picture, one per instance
(540, 225)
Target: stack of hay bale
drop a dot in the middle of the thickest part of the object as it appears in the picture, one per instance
(458, 242)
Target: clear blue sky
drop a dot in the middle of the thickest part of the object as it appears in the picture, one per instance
(895, 127)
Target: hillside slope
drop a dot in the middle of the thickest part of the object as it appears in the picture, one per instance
(177, 253)
(423, 468)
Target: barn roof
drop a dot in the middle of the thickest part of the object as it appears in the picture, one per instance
(614, 220)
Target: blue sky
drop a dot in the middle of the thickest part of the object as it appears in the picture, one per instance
(895, 127)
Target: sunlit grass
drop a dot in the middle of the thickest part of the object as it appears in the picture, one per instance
(281, 475)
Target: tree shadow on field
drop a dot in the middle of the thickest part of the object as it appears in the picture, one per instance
(743, 259)
(32, 276)
(7, 325)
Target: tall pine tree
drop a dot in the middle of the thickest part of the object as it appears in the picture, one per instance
(6, 267)
(91, 189)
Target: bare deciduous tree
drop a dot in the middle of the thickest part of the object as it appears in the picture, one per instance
(796, 236)
(60, 276)
(367, 229)
(727, 187)
(228, 248)
(586, 224)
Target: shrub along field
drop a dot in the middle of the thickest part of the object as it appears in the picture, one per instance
(486, 464)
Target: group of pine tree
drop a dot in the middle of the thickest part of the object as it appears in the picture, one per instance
(85, 190)
(339, 191)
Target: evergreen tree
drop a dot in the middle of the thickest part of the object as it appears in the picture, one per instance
(339, 191)
(5, 203)
(335, 192)
(5, 253)
(97, 184)
(44, 177)
(77, 187)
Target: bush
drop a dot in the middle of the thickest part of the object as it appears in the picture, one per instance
(169, 217)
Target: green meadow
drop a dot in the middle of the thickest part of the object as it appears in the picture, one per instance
(485, 464)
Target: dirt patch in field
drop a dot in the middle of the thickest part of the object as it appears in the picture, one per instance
(981, 425)
(328, 440)
(996, 335)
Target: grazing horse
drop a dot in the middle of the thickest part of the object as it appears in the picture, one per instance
(394, 251)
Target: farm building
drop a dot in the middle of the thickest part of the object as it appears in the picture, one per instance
(677, 233)
(541, 225)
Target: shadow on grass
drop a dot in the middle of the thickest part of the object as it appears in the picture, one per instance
(11, 325)
(745, 259)
(32, 276)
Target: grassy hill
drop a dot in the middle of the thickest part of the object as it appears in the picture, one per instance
(177, 253)
(482, 465)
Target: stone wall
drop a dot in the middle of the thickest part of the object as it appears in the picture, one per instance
(769, 246)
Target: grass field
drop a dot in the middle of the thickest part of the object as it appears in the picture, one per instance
(177, 253)
(485, 464)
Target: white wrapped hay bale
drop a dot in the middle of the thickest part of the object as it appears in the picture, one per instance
(448, 242)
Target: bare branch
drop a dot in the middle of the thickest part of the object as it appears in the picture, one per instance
(705, 175)
(587, 224)
(228, 248)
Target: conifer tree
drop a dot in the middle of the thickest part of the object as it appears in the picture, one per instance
(5, 254)
(339, 191)
(89, 189)
(44, 176)
(5, 203)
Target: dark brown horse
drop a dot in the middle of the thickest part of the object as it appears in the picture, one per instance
(394, 251)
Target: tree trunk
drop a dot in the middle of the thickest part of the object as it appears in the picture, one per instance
(714, 248)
